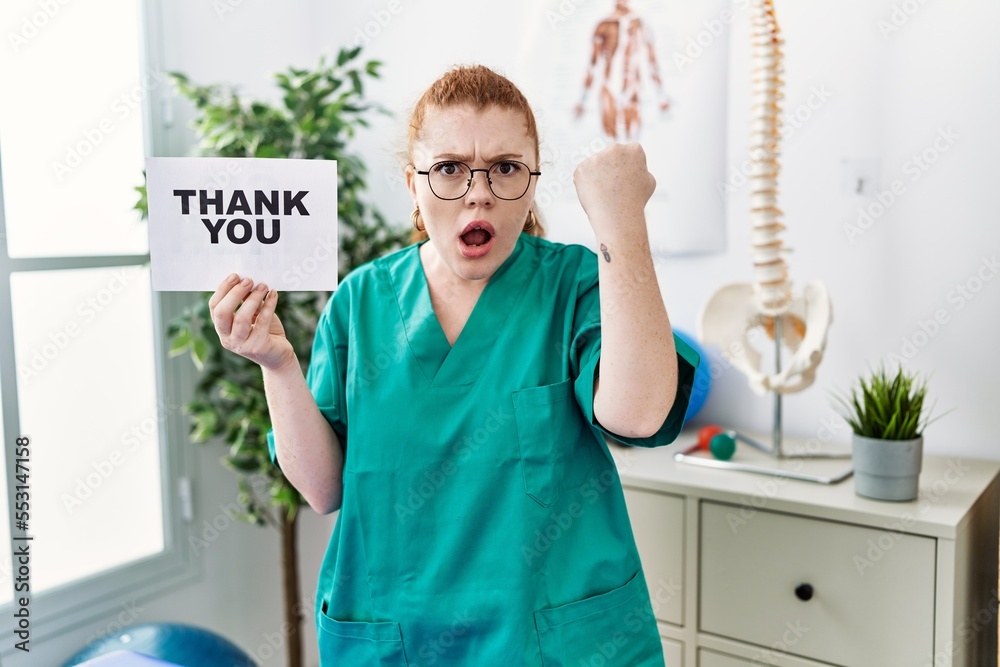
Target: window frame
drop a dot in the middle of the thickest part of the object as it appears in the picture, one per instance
(103, 595)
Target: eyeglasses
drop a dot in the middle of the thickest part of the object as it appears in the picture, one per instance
(451, 179)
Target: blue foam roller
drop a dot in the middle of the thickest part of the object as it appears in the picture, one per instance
(702, 377)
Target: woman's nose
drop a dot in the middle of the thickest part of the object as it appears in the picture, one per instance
(479, 190)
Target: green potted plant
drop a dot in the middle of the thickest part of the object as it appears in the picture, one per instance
(887, 413)
(319, 112)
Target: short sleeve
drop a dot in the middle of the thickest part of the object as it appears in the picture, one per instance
(585, 356)
(326, 376)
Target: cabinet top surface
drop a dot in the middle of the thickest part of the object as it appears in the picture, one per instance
(949, 488)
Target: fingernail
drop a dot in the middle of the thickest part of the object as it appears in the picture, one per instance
(261, 287)
(232, 278)
(246, 281)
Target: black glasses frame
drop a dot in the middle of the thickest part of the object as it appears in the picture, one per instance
(472, 174)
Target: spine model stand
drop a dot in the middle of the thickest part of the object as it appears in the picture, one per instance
(740, 313)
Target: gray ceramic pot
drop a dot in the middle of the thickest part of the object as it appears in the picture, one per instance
(887, 469)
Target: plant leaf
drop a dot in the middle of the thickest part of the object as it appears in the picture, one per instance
(180, 342)
(199, 352)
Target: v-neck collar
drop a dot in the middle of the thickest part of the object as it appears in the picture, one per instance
(461, 363)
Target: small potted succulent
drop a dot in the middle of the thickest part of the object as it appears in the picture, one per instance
(888, 415)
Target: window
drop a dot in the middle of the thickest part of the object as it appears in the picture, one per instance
(81, 348)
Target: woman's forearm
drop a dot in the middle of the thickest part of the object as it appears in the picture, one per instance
(638, 366)
(306, 447)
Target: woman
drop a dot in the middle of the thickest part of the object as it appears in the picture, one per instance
(456, 404)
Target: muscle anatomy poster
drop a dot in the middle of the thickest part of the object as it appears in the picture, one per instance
(648, 71)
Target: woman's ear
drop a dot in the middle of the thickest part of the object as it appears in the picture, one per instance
(411, 181)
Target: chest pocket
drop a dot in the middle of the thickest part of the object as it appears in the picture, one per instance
(549, 433)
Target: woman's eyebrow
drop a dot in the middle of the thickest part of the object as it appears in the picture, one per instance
(466, 158)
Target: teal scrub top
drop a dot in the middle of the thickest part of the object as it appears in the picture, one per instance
(483, 520)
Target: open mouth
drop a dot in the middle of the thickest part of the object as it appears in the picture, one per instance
(476, 237)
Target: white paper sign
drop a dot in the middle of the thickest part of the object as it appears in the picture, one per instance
(274, 220)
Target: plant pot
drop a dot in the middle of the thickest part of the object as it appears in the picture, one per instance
(887, 469)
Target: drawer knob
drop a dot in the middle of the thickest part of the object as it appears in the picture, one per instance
(804, 592)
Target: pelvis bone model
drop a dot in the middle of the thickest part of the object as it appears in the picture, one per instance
(737, 312)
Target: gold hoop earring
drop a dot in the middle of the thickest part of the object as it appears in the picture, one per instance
(415, 220)
(531, 221)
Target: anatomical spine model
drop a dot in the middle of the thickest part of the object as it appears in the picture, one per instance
(735, 311)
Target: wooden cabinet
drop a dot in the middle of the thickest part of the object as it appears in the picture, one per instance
(747, 569)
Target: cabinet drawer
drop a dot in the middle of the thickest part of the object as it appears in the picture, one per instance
(872, 601)
(713, 659)
(658, 524)
(708, 658)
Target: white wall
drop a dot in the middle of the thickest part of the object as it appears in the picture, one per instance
(895, 81)
(892, 91)
(888, 100)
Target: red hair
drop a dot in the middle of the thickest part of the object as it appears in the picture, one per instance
(479, 87)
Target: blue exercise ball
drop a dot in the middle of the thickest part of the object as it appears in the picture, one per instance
(184, 645)
(702, 377)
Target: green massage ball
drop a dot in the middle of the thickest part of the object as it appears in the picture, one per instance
(722, 446)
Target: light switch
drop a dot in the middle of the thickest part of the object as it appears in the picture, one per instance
(860, 176)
